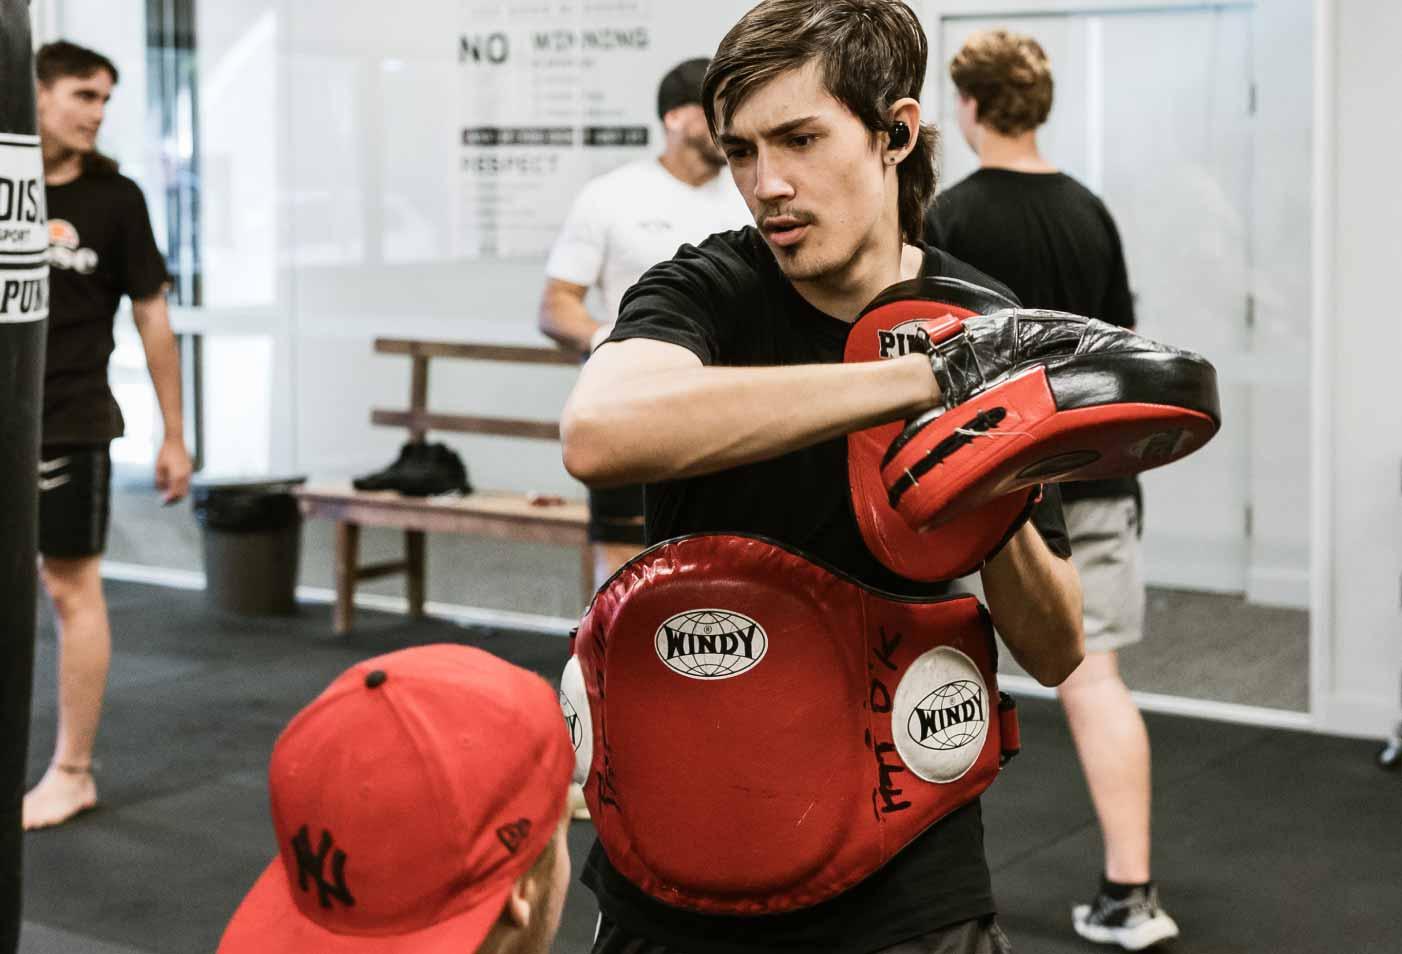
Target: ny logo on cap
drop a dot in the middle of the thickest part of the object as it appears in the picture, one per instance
(311, 866)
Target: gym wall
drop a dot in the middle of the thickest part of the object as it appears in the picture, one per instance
(328, 138)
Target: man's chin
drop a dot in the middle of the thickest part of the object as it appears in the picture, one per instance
(800, 264)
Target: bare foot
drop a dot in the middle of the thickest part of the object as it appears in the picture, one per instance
(64, 791)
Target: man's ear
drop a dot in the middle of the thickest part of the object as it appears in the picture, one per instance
(520, 902)
(906, 111)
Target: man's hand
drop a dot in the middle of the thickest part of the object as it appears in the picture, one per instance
(173, 470)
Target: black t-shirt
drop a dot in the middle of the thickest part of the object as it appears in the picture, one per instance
(100, 248)
(727, 301)
(1053, 242)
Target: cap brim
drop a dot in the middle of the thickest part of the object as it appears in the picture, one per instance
(268, 921)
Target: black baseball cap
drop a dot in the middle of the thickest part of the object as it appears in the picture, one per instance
(681, 86)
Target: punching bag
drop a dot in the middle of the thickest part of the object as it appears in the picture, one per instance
(24, 306)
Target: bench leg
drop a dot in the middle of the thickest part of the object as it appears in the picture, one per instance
(414, 559)
(347, 563)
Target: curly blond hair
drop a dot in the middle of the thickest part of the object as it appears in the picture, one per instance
(1009, 76)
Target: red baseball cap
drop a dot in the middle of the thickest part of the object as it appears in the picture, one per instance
(407, 799)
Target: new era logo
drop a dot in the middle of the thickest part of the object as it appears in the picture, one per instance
(515, 834)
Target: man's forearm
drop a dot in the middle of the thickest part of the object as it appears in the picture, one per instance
(684, 421)
(565, 320)
(163, 362)
(1034, 597)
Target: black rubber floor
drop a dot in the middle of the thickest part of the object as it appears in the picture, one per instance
(1266, 842)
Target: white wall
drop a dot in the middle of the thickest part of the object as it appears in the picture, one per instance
(1358, 654)
(330, 154)
(313, 99)
(328, 166)
(1191, 261)
(1282, 390)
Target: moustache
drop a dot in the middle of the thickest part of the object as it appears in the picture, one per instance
(785, 219)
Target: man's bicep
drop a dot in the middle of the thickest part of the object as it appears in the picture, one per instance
(143, 267)
(1118, 306)
(150, 309)
(617, 362)
(618, 365)
(577, 257)
(558, 286)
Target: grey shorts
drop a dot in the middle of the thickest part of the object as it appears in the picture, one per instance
(1105, 549)
(971, 937)
(982, 936)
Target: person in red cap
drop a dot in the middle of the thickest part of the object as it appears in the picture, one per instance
(419, 805)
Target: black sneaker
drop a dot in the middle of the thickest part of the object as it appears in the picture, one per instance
(1133, 923)
(410, 454)
(439, 471)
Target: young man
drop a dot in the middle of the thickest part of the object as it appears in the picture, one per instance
(1055, 245)
(101, 248)
(722, 387)
(419, 805)
(621, 225)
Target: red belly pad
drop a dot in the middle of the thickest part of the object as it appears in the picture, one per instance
(757, 733)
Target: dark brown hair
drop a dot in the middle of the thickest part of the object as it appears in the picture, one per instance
(61, 58)
(1009, 76)
(56, 60)
(871, 53)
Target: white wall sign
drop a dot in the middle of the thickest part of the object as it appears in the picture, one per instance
(553, 94)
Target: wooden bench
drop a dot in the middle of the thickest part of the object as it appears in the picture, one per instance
(497, 515)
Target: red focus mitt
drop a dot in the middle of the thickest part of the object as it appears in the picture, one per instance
(1035, 396)
(903, 320)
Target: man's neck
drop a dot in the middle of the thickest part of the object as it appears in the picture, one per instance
(843, 295)
(685, 165)
(1018, 153)
(61, 165)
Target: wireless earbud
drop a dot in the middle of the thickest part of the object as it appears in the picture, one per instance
(900, 136)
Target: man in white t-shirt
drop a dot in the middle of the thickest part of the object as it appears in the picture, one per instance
(620, 225)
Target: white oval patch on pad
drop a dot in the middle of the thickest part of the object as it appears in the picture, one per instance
(574, 703)
(939, 716)
(710, 643)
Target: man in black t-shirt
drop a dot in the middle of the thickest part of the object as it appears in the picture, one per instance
(722, 389)
(1054, 243)
(100, 248)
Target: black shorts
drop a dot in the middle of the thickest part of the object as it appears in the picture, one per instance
(981, 936)
(616, 515)
(75, 494)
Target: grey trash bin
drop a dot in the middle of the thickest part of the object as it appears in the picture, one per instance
(252, 544)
